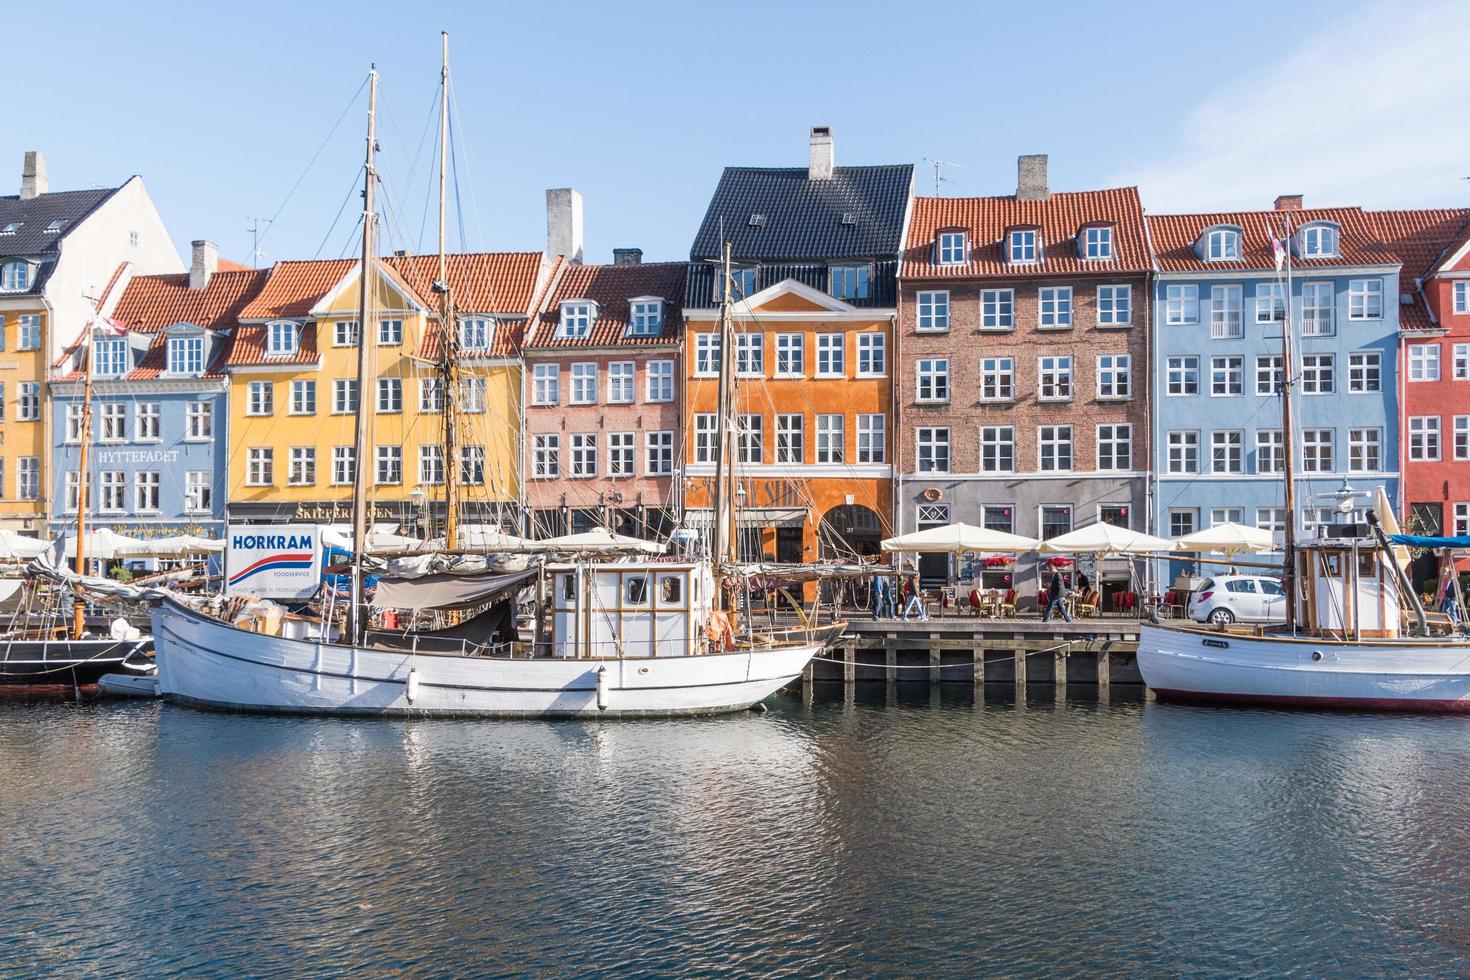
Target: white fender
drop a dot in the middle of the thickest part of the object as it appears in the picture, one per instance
(412, 691)
(602, 688)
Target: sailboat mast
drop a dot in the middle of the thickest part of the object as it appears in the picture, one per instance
(1288, 445)
(367, 292)
(79, 608)
(726, 440)
(448, 336)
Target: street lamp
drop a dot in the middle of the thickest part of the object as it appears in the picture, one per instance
(421, 505)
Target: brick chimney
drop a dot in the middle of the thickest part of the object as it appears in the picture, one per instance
(1031, 177)
(1289, 202)
(204, 264)
(821, 161)
(627, 256)
(33, 175)
(564, 223)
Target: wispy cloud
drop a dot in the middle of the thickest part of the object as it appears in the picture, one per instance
(1370, 111)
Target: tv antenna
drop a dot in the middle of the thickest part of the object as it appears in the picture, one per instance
(939, 178)
(256, 234)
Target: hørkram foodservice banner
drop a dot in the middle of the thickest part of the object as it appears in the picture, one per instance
(274, 562)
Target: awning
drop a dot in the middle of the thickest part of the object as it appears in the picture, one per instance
(1427, 541)
(446, 591)
(704, 518)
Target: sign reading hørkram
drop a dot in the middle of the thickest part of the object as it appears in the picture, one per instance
(273, 561)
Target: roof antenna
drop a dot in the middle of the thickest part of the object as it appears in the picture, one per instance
(939, 177)
(255, 232)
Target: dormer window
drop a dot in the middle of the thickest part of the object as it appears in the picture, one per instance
(849, 281)
(282, 338)
(1319, 241)
(55, 225)
(15, 277)
(109, 357)
(11, 227)
(185, 355)
(645, 317)
(476, 333)
(577, 316)
(1222, 244)
(951, 248)
(1021, 245)
(1097, 242)
(743, 278)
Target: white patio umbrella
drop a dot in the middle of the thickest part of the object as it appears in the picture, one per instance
(954, 539)
(104, 543)
(600, 539)
(1105, 539)
(17, 547)
(176, 544)
(1230, 539)
(482, 537)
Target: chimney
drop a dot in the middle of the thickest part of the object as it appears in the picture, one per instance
(1289, 202)
(33, 175)
(564, 223)
(627, 256)
(820, 164)
(206, 260)
(1031, 177)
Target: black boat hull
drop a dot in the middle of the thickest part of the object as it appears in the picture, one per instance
(73, 663)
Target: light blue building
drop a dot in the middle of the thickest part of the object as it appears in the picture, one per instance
(1219, 307)
(158, 452)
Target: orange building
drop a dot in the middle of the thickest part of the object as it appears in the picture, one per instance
(814, 254)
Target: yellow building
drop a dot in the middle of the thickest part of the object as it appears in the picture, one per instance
(294, 406)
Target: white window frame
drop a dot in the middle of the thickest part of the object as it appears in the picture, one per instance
(1115, 305)
(932, 311)
(1061, 441)
(932, 449)
(951, 248)
(282, 338)
(545, 384)
(997, 379)
(1181, 304)
(1181, 451)
(931, 380)
(1365, 299)
(997, 449)
(582, 389)
(831, 355)
(790, 355)
(1365, 366)
(1426, 444)
(872, 354)
(622, 382)
(1097, 243)
(1054, 308)
(1023, 246)
(998, 310)
(659, 382)
(1424, 362)
(1115, 377)
(1226, 314)
(1115, 447)
(1054, 378)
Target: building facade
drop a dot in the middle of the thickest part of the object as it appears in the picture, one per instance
(815, 255)
(1023, 363)
(158, 452)
(602, 386)
(60, 254)
(1434, 366)
(1220, 304)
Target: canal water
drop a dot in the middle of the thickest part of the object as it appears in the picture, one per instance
(907, 833)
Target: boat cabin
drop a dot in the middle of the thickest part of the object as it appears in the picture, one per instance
(639, 609)
(1350, 588)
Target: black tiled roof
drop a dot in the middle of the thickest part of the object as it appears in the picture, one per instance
(36, 214)
(803, 219)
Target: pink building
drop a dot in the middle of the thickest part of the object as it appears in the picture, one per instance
(602, 371)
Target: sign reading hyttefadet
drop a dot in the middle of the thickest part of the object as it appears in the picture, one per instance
(274, 562)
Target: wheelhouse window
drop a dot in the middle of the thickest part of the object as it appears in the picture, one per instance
(645, 317)
(282, 338)
(1097, 242)
(1021, 245)
(576, 319)
(951, 248)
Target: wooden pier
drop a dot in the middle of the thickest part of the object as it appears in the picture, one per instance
(1015, 652)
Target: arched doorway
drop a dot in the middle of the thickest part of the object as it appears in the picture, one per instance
(849, 531)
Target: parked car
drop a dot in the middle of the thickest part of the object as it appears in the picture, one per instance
(1239, 599)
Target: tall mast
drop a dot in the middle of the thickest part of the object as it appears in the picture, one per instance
(1288, 445)
(79, 607)
(448, 336)
(367, 293)
(726, 434)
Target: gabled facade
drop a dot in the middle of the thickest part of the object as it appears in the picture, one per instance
(294, 404)
(159, 445)
(1219, 305)
(1023, 363)
(60, 254)
(1434, 365)
(815, 256)
(602, 388)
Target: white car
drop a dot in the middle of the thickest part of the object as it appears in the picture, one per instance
(1238, 599)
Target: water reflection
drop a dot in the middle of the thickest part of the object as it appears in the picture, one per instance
(863, 830)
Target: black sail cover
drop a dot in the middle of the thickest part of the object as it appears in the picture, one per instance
(448, 591)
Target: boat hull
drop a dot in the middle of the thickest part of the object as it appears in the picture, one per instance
(70, 663)
(1203, 666)
(207, 663)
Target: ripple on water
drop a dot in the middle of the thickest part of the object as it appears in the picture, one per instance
(900, 833)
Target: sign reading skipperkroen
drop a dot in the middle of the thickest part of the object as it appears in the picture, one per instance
(274, 562)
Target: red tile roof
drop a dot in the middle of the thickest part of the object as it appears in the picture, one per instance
(229, 265)
(611, 287)
(1174, 237)
(1420, 239)
(248, 348)
(1060, 217)
(153, 302)
(503, 283)
(293, 288)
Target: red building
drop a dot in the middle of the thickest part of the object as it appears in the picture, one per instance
(1434, 365)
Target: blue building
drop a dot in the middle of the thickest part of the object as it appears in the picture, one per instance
(158, 454)
(1219, 307)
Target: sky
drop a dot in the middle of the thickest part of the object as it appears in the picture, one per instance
(232, 112)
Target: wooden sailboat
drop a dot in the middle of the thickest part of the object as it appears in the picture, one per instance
(620, 638)
(1347, 641)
